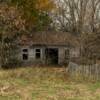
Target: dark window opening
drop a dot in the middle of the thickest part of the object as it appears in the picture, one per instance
(25, 50)
(25, 56)
(37, 50)
(38, 54)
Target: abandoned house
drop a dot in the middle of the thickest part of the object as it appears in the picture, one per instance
(48, 48)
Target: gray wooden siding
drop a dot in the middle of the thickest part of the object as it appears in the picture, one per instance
(32, 58)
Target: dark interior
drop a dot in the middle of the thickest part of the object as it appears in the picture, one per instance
(38, 54)
(25, 56)
(25, 50)
(51, 55)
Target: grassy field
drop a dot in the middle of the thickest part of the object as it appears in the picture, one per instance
(44, 83)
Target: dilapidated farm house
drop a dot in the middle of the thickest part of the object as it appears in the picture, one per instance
(48, 47)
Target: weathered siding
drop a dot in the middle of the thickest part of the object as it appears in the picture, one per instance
(31, 54)
(61, 55)
(74, 52)
(41, 60)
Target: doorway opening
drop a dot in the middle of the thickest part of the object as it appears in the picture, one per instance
(51, 55)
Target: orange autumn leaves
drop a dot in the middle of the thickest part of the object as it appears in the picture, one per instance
(32, 12)
(45, 5)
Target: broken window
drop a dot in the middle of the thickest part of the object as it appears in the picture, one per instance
(38, 53)
(25, 50)
(25, 54)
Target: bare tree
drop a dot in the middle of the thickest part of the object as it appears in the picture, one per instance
(95, 15)
(77, 15)
(82, 17)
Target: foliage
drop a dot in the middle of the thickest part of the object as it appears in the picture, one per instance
(17, 16)
(9, 53)
(35, 12)
(10, 24)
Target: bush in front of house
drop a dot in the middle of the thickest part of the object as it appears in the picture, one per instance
(9, 55)
(14, 63)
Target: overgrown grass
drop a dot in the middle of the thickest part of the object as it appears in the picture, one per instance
(44, 83)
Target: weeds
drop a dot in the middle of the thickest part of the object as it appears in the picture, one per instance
(44, 83)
